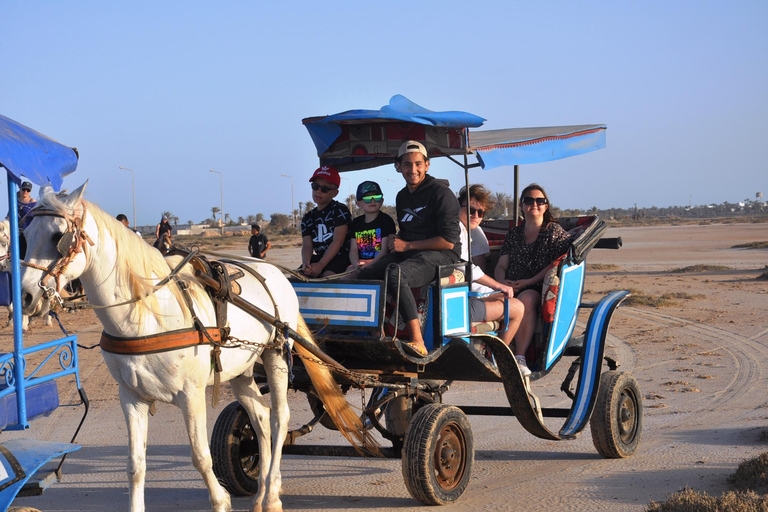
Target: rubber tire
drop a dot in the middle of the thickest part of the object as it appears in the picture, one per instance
(617, 421)
(235, 451)
(437, 434)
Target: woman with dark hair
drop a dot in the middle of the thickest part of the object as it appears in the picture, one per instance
(527, 252)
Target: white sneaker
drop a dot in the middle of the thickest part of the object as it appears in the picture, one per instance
(524, 370)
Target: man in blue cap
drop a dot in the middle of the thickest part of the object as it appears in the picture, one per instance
(26, 203)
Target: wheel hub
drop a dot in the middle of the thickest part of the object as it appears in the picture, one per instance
(449, 456)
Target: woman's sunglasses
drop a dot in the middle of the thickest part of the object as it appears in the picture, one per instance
(377, 197)
(475, 211)
(325, 189)
(528, 201)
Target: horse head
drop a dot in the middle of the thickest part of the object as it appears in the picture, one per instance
(56, 245)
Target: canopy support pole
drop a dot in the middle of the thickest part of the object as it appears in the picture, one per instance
(516, 202)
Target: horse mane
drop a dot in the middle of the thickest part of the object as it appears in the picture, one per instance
(138, 264)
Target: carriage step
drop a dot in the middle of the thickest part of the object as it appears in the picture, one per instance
(42, 480)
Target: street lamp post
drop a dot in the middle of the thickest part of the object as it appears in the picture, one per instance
(506, 210)
(221, 191)
(293, 215)
(133, 188)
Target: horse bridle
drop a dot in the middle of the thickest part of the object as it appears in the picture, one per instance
(71, 243)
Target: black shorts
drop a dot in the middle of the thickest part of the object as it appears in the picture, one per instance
(337, 265)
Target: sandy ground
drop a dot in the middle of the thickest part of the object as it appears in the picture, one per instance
(701, 365)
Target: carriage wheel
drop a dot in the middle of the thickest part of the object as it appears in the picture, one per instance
(316, 406)
(235, 451)
(438, 454)
(397, 417)
(617, 422)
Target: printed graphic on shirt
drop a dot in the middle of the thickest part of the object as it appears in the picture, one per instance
(323, 234)
(368, 243)
(410, 214)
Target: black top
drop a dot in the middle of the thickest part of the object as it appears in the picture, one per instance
(429, 211)
(320, 225)
(370, 235)
(164, 226)
(527, 260)
(257, 244)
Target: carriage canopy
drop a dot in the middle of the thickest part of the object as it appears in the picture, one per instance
(359, 139)
(39, 158)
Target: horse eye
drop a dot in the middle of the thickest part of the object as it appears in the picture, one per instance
(56, 237)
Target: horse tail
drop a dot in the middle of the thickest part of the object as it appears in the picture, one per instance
(329, 392)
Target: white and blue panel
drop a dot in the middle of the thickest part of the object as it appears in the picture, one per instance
(455, 306)
(341, 304)
(567, 311)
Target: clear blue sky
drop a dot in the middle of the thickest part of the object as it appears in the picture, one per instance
(172, 89)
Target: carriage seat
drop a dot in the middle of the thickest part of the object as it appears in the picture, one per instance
(42, 399)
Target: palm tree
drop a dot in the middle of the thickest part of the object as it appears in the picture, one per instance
(214, 211)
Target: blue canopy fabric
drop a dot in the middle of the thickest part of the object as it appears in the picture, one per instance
(360, 139)
(42, 160)
(517, 146)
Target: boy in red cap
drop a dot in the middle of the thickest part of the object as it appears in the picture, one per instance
(324, 228)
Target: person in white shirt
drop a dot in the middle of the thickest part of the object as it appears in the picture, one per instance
(490, 305)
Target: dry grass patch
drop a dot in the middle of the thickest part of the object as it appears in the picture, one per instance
(641, 298)
(752, 474)
(710, 354)
(603, 266)
(751, 245)
(689, 500)
(705, 377)
(700, 268)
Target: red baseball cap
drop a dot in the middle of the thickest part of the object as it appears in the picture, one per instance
(329, 174)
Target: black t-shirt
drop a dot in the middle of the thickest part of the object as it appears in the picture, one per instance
(370, 236)
(429, 211)
(257, 244)
(320, 225)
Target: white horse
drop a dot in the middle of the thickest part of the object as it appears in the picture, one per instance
(5, 266)
(71, 238)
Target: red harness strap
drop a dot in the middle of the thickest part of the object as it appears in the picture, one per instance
(157, 343)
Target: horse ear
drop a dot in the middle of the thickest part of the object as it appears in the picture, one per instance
(76, 196)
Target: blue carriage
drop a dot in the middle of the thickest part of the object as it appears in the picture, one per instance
(29, 374)
(359, 331)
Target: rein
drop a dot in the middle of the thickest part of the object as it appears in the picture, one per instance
(72, 243)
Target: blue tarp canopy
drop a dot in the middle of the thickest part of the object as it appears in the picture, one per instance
(359, 139)
(517, 146)
(23, 151)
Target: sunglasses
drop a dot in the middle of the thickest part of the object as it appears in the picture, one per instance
(377, 197)
(528, 201)
(324, 189)
(475, 211)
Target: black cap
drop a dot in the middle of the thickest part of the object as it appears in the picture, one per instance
(368, 188)
(26, 185)
(256, 227)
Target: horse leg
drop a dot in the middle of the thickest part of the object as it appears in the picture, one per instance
(136, 419)
(247, 393)
(192, 405)
(277, 377)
